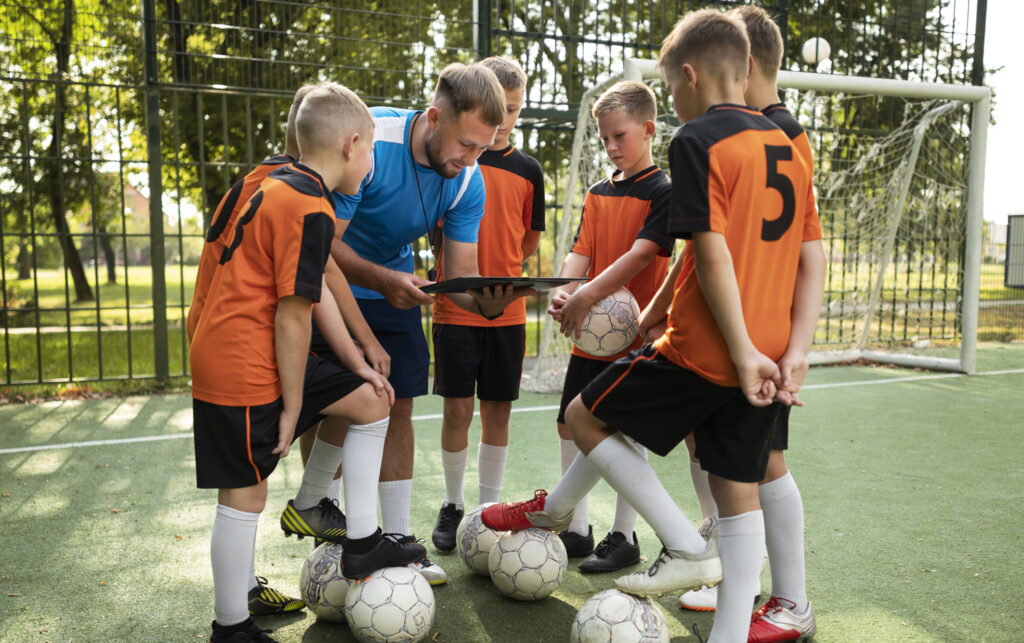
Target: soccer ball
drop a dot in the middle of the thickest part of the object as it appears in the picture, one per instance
(815, 51)
(393, 604)
(527, 565)
(610, 325)
(321, 584)
(613, 615)
(475, 540)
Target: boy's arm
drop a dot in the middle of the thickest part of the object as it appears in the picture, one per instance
(291, 345)
(758, 374)
(329, 320)
(530, 242)
(375, 354)
(656, 311)
(615, 276)
(576, 266)
(807, 296)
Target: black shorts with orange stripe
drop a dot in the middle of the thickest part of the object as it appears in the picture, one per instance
(233, 444)
(658, 403)
(580, 372)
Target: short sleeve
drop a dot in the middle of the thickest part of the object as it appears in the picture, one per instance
(812, 223)
(656, 223)
(690, 209)
(583, 244)
(534, 216)
(308, 240)
(462, 220)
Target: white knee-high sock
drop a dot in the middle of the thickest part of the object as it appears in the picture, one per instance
(580, 524)
(231, 554)
(490, 463)
(323, 462)
(334, 491)
(625, 514)
(630, 474)
(364, 450)
(784, 535)
(395, 501)
(706, 501)
(454, 463)
(739, 546)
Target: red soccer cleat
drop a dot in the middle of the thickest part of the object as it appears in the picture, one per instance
(515, 516)
(776, 621)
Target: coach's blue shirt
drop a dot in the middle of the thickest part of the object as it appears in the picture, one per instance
(386, 215)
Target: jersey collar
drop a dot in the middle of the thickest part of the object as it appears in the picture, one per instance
(636, 178)
(725, 106)
(305, 169)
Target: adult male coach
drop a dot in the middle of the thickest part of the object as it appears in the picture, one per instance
(424, 172)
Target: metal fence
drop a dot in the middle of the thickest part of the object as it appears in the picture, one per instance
(123, 123)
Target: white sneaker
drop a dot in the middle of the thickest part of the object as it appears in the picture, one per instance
(704, 599)
(433, 573)
(673, 571)
(776, 621)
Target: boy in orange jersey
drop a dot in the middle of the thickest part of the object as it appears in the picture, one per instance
(486, 355)
(787, 615)
(254, 385)
(621, 241)
(741, 322)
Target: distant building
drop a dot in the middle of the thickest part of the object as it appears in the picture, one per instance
(994, 248)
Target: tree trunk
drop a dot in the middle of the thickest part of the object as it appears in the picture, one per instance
(109, 256)
(24, 260)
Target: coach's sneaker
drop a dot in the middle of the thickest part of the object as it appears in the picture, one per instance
(361, 557)
(324, 521)
(265, 600)
(245, 632)
(776, 621)
(612, 553)
(515, 516)
(448, 520)
(577, 546)
(674, 571)
(433, 573)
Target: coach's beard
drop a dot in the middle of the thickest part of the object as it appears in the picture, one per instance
(433, 148)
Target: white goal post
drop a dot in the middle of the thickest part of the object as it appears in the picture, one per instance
(978, 98)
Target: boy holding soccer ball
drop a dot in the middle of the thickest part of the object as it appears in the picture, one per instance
(254, 385)
(621, 241)
(741, 322)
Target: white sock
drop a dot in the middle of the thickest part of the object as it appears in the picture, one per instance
(454, 463)
(232, 546)
(739, 546)
(625, 514)
(490, 462)
(252, 565)
(706, 501)
(321, 466)
(364, 450)
(334, 490)
(784, 535)
(630, 474)
(580, 524)
(395, 500)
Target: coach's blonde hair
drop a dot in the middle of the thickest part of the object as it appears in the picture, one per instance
(510, 75)
(635, 99)
(328, 112)
(765, 38)
(709, 39)
(467, 88)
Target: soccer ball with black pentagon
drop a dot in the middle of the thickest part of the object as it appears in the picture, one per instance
(612, 616)
(527, 565)
(321, 584)
(392, 605)
(611, 325)
(474, 540)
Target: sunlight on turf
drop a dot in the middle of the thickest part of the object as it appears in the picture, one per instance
(125, 413)
(44, 463)
(869, 624)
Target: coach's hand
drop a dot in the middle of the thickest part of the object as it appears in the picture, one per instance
(380, 385)
(286, 431)
(493, 300)
(402, 290)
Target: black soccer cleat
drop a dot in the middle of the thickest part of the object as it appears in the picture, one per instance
(577, 546)
(448, 520)
(363, 556)
(614, 552)
(245, 632)
(264, 600)
(324, 521)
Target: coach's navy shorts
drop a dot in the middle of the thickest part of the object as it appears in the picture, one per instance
(400, 332)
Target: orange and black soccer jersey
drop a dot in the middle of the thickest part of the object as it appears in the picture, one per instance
(784, 119)
(515, 204)
(616, 214)
(736, 173)
(224, 217)
(278, 247)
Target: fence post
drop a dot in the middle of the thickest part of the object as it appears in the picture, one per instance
(156, 210)
(482, 28)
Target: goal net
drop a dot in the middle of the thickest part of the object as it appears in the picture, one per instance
(898, 177)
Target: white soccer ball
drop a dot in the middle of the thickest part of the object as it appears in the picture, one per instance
(393, 604)
(474, 540)
(528, 565)
(610, 325)
(321, 584)
(816, 50)
(615, 616)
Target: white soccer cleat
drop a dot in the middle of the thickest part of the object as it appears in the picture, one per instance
(434, 574)
(674, 571)
(703, 599)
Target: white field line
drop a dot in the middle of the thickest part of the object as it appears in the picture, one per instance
(526, 409)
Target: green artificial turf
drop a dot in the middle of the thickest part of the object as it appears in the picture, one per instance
(911, 492)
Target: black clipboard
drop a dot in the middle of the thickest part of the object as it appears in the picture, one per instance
(462, 284)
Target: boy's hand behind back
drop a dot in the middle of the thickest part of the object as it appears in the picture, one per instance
(792, 371)
(759, 378)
